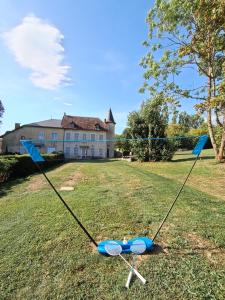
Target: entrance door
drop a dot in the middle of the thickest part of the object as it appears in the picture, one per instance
(107, 152)
(84, 152)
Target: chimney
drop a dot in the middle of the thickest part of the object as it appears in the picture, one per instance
(17, 125)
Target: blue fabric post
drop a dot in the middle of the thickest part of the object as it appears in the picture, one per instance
(200, 145)
(32, 150)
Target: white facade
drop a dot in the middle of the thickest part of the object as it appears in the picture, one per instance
(84, 144)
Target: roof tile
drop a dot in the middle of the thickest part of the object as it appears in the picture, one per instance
(83, 123)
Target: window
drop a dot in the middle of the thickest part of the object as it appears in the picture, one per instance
(84, 151)
(84, 137)
(101, 137)
(67, 136)
(76, 136)
(76, 151)
(54, 136)
(100, 152)
(92, 137)
(50, 149)
(22, 137)
(92, 151)
(97, 127)
(67, 150)
(72, 125)
(41, 136)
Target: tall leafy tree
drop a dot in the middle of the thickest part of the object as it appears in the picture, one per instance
(189, 34)
(150, 122)
(188, 122)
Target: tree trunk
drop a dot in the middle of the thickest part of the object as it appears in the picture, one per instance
(149, 142)
(209, 116)
(211, 133)
(222, 145)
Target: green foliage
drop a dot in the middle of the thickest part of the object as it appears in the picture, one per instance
(150, 122)
(188, 122)
(187, 127)
(174, 130)
(122, 143)
(179, 28)
(17, 166)
(218, 134)
(6, 168)
(187, 34)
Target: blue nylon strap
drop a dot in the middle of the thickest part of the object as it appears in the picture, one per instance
(32, 150)
(200, 145)
(119, 139)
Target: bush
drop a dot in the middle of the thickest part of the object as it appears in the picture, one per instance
(168, 150)
(17, 166)
(186, 143)
(154, 150)
(6, 167)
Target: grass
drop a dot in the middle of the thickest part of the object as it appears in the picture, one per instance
(44, 255)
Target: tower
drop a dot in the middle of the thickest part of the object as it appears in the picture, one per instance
(110, 134)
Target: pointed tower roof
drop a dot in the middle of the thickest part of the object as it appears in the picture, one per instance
(110, 118)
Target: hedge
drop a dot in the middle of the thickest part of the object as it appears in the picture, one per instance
(17, 166)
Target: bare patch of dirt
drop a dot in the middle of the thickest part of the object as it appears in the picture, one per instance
(135, 184)
(36, 183)
(207, 248)
(98, 239)
(198, 242)
(74, 179)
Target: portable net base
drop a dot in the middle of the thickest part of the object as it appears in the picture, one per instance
(138, 245)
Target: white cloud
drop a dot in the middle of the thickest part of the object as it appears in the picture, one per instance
(67, 103)
(36, 45)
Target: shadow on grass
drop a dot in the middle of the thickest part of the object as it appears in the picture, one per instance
(157, 249)
(6, 187)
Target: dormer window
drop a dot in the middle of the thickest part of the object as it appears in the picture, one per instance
(97, 126)
(72, 125)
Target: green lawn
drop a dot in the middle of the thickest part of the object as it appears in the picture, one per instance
(44, 254)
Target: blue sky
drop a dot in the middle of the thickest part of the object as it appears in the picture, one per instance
(75, 56)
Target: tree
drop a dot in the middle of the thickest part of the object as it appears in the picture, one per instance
(188, 126)
(189, 34)
(188, 122)
(122, 142)
(1, 110)
(147, 123)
